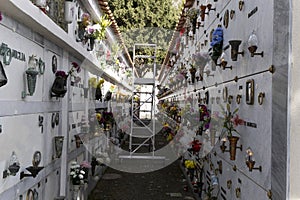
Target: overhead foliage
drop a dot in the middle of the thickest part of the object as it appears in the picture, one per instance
(147, 21)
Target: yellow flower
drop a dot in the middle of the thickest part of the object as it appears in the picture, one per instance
(93, 82)
(98, 116)
(170, 137)
(100, 82)
(189, 164)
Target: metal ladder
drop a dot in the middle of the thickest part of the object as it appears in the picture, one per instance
(143, 107)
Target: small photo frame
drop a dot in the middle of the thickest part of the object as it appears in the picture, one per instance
(250, 92)
(54, 64)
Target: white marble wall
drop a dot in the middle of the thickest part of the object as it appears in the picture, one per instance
(269, 139)
(19, 117)
(293, 175)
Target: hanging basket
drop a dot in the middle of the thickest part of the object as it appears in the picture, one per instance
(59, 87)
(31, 75)
(3, 78)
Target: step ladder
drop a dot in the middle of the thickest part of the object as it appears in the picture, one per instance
(143, 106)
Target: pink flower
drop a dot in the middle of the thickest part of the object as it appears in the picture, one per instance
(61, 73)
(0, 16)
(85, 164)
(77, 79)
(237, 121)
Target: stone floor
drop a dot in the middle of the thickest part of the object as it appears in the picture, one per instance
(167, 183)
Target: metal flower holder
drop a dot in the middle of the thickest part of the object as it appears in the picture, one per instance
(31, 74)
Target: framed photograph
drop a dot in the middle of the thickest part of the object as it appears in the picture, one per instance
(54, 64)
(250, 92)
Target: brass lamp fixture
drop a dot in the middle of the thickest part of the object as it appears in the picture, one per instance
(34, 169)
(253, 45)
(202, 12)
(208, 73)
(198, 24)
(220, 166)
(13, 167)
(250, 161)
(232, 146)
(209, 7)
(235, 49)
(223, 146)
(223, 63)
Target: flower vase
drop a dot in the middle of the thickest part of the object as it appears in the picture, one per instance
(41, 3)
(98, 94)
(91, 44)
(80, 31)
(59, 87)
(216, 52)
(86, 171)
(69, 11)
(3, 77)
(232, 148)
(92, 93)
(76, 181)
(193, 74)
(31, 74)
(212, 137)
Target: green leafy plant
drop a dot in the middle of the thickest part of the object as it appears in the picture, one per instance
(97, 30)
(231, 121)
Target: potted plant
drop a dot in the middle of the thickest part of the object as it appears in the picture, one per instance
(85, 166)
(201, 60)
(98, 93)
(81, 26)
(230, 124)
(216, 44)
(97, 31)
(59, 87)
(76, 174)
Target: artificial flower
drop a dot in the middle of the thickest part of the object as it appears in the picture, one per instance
(237, 121)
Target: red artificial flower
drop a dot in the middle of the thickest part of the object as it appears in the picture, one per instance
(196, 145)
(237, 121)
(76, 67)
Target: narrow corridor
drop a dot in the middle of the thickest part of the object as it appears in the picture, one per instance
(167, 183)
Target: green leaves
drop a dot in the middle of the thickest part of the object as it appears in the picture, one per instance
(134, 16)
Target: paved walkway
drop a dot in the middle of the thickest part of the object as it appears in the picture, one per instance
(165, 184)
